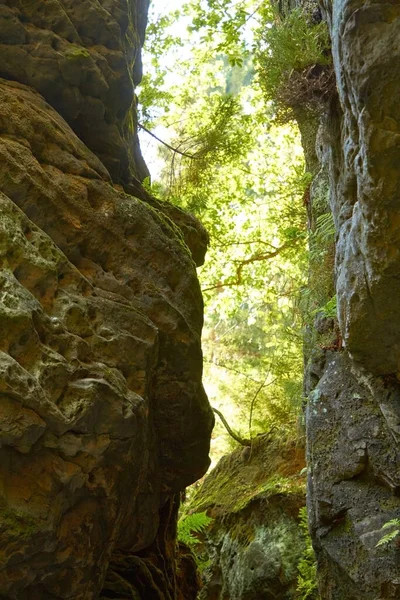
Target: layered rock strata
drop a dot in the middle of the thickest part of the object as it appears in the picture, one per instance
(103, 415)
(353, 414)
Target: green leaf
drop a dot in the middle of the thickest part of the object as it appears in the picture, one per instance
(386, 539)
(194, 523)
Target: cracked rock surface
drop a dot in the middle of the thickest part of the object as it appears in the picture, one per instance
(103, 417)
(353, 412)
(353, 429)
(363, 158)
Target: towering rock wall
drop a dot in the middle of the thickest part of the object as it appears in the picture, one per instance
(103, 418)
(353, 415)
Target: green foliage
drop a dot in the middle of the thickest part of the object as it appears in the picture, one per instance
(153, 95)
(244, 178)
(318, 297)
(190, 524)
(307, 587)
(329, 310)
(293, 62)
(194, 523)
(221, 24)
(392, 535)
(214, 133)
(324, 232)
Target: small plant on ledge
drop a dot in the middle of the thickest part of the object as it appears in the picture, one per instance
(392, 535)
(294, 63)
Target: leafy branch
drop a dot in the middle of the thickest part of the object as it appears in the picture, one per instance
(252, 259)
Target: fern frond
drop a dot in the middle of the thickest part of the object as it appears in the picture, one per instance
(391, 523)
(325, 228)
(189, 524)
(389, 536)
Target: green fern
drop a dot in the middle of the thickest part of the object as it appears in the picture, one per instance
(325, 228)
(318, 297)
(189, 524)
(323, 236)
(392, 534)
(307, 567)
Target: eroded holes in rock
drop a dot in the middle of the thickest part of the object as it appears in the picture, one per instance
(91, 77)
(112, 43)
(91, 312)
(105, 333)
(23, 18)
(245, 349)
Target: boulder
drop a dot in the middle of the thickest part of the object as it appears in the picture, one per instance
(254, 543)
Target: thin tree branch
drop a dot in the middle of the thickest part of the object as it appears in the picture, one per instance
(223, 366)
(255, 258)
(250, 16)
(192, 156)
(263, 385)
(235, 436)
(247, 243)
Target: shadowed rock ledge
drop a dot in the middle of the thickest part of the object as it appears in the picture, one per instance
(103, 417)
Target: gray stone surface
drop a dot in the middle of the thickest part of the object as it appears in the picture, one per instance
(364, 158)
(353, 432)
(353, 412)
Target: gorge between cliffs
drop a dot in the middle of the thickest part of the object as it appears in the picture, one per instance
(104, 421)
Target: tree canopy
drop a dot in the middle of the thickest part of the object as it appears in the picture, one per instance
(239, 167)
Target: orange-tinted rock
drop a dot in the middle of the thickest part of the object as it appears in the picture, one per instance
(103, 413)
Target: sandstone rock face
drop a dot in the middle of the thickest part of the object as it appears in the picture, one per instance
(353, 414)
(84, 59)
(353, 432)
(254, 543)
(365, 179)
(103, 418)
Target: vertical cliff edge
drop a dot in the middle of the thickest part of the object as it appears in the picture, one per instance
(353, 413)
(103, 415)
